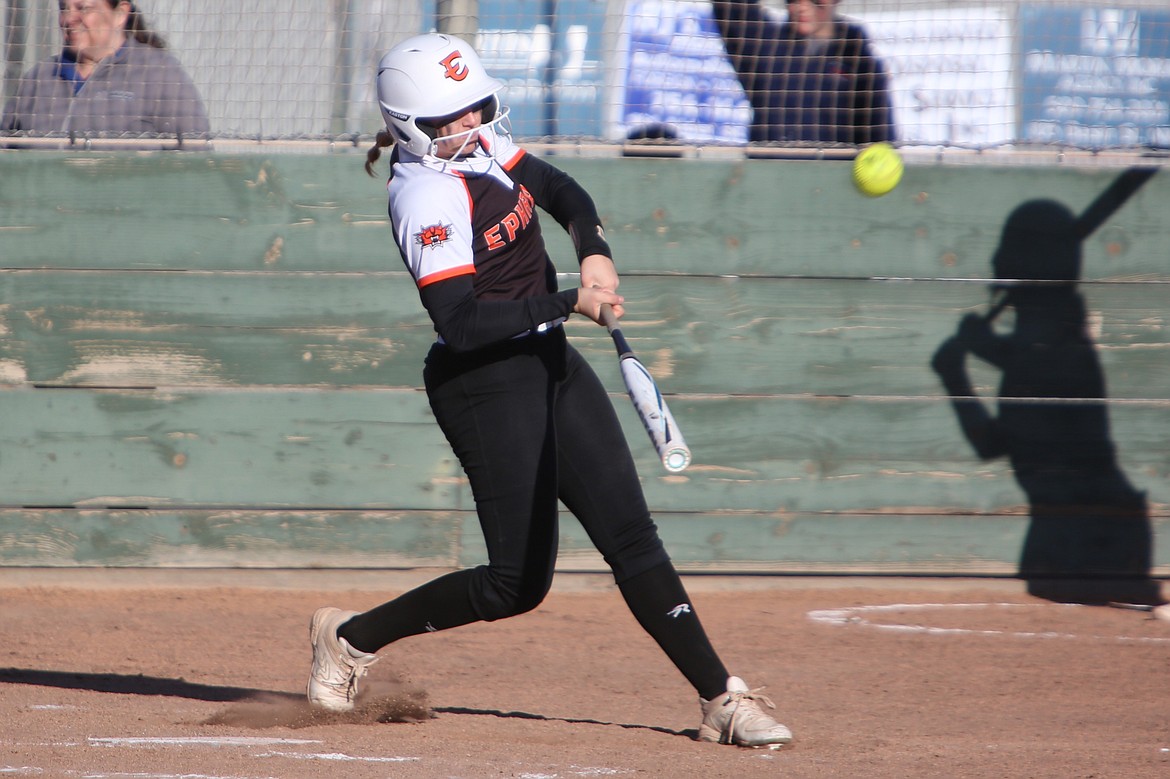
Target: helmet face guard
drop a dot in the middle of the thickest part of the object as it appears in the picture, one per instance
(428, 81)
(490, 115)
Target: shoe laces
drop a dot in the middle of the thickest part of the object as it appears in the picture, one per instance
(351, 680)
(354, 668)
(747, 708)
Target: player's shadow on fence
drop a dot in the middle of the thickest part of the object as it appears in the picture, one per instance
(1089, 539)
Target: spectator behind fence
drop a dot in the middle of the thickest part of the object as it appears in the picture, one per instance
(813, 77)
(113, 77)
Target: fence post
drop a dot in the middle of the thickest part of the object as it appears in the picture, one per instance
(458, 17)
(16, 36)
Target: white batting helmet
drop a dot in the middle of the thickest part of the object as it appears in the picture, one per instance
(432, 76)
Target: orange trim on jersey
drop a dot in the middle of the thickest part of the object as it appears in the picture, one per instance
(512, 162)
(467, 190)
(486, 146)
(443, 275)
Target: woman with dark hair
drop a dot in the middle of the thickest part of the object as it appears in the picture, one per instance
(113, 77)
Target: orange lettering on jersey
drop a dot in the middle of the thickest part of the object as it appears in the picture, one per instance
(511, 223)
(525, 206)
(493, 238)
(505, 231)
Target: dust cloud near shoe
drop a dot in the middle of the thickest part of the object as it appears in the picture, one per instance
(380, 702)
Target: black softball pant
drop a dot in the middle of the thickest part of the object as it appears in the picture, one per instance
(532, 424)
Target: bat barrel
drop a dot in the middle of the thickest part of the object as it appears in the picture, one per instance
(648, 401)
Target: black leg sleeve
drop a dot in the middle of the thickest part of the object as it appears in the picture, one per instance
(437, 605)
(661, 605)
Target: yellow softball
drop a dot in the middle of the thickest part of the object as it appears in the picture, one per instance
(877, 169)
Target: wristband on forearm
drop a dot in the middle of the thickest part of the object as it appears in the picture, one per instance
(588, 238)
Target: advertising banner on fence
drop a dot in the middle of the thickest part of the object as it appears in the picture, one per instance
(673, 71)
(1095, 77)
(950, 74)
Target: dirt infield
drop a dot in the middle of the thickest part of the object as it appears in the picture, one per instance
(200, 674)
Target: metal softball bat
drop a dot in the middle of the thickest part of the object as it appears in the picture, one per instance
(648, 401)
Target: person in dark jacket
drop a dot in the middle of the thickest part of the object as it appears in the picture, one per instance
(112, 78)
(813, 77)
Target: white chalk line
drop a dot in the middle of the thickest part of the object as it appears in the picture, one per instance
(249, 741)
(337, 757)
(198, 741)
(851, 616)
(578, 771)
(204, 741)
(139, 775)
(243, 741)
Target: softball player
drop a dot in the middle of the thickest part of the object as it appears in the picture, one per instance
(528, 419)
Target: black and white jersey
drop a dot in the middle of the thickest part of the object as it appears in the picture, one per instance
(469, 233)
(469, 217)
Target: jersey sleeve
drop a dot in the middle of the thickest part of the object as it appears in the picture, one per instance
(465, 322)
(431, 217)
(566, 201)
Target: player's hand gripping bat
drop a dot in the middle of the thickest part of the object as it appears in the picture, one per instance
(648, 401)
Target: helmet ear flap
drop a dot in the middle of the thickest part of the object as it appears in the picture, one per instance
(490, 110)
(428, 127)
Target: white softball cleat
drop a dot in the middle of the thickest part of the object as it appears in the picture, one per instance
(336, 665)
(735, 717)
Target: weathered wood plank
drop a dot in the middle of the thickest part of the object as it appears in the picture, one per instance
(785, 217)
(910, 544)
(203, 211)
(747, 335)
(235, 537)
(117, 328)
(746, 542)
(210, 211)
(862, 454)
(283, 449)
(380, 449)
(864, 337)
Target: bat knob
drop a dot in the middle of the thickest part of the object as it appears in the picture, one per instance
(676, 460)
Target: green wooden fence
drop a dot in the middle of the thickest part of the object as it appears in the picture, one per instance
(214, 360)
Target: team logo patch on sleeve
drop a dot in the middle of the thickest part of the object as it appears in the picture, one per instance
(433, 236)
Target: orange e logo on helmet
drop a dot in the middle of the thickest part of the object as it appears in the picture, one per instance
(456, 69)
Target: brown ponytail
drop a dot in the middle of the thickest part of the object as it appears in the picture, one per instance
(136, 28)
(381, 141)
